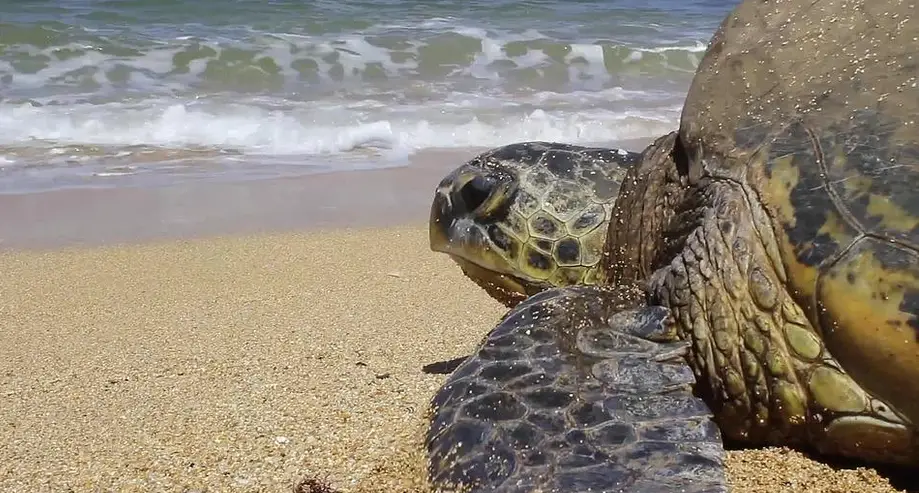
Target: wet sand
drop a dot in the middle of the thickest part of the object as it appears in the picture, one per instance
(194, 209)
(249, 361)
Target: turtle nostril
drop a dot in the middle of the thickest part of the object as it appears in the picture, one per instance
(476, 192)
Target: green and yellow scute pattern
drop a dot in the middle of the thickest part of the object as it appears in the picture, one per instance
(561, 237)
(846, 219)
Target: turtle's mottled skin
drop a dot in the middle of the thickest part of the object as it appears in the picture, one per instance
(760, 272)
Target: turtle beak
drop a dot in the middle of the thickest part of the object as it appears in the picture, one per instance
(462, 202)
(440, 221)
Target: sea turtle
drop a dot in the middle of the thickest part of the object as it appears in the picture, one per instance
(760, 273)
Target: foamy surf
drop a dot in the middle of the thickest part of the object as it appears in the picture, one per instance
(250, 90)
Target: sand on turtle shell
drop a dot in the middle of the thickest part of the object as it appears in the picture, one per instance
(249, 363)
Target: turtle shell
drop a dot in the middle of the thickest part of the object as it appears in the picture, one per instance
(818, 124)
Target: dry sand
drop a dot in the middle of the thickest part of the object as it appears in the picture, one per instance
(248, 363)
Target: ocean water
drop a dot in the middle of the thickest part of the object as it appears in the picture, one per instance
(97, 93)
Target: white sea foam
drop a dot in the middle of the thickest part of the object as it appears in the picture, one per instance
(316, 130)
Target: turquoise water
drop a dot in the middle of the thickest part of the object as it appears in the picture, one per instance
(99, 93)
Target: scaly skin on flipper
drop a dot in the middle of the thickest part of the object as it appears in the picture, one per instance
(570, 393)
(780, 227)
(525, 217)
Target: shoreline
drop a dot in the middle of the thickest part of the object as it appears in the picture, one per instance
(389, 196)
(202, 209)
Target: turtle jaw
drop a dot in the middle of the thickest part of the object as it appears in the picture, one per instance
(508, 289)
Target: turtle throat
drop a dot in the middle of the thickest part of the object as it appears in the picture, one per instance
(506, 288)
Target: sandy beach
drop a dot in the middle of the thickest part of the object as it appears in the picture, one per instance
(247, 336)
(248, 363)
(213, 215)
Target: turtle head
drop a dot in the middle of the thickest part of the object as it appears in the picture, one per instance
(528, 217)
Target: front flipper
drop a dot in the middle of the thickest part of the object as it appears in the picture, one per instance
(576, 390)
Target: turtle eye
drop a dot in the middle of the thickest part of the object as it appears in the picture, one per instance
(477, 191)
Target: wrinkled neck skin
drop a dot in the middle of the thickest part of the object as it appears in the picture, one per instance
(646, 208)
